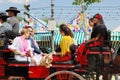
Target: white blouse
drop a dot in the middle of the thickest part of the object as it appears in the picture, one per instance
(16, 46)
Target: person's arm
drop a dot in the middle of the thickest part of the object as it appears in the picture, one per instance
(18, 52)
(56, 53)
(14, 47)
(30, 49)
(36, 49)
(16, 27)
(93, 39)
(31, 53)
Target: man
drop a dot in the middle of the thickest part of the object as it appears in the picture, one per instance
(34, 44)
(4, 25)
(12, 12)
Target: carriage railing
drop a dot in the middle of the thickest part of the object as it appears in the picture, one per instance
(115, 38)
(44, 39)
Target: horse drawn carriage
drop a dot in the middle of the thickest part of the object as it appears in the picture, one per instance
(69, 70)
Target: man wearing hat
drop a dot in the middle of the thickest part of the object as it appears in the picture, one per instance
(4, 25)
(12, 12)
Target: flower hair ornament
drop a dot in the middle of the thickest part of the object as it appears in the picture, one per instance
(98, 16)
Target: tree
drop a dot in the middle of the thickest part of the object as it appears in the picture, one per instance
(85, 3)
(45, 19)
(88, 2)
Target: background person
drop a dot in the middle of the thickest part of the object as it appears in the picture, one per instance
(12, 12)
(4, 24)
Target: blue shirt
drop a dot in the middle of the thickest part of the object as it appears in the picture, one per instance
(36, 49)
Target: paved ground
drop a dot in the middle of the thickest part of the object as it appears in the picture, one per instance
(113, 78)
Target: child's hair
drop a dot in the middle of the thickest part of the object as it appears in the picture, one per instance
(91, 19)
(67, 31)
(23, 31)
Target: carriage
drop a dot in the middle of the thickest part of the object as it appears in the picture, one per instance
(69, 70)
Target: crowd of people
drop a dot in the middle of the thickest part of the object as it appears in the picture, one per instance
(26, 48)
(10, 21)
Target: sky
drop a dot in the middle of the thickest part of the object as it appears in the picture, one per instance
(43, 3)
(110, 9)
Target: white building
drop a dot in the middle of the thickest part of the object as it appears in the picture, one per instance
(117, 29)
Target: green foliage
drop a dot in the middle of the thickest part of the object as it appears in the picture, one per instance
(26, 13)
(27, 7)
(19, 18)
(26, 21)
(87, 2)
(57, 25)
(45, 19)
(84, 3)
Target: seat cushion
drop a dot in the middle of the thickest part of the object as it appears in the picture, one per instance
(99, 49)
(65, 62)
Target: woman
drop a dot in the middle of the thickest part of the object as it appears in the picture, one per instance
(99, 33)
(34, 44)
(67, 40)
(98, 19)
(63, 54)
(22, 48)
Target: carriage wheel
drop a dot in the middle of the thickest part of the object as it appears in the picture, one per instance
(64, 75)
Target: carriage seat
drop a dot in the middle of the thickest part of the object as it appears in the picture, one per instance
(17, 62)
(65, 62)
(99, 48)
(65, 65)
(71, 63)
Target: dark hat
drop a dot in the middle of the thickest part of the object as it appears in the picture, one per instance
(98, 16)
(14, 9)
(3, 15)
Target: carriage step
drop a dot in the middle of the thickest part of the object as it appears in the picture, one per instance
(16, 78)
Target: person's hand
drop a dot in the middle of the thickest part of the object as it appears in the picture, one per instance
(22, 54)
(33, 60)
(44, 54)
(28, 54)
(86, 40)
(11, 41)
(54, 52)
(112, 50)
